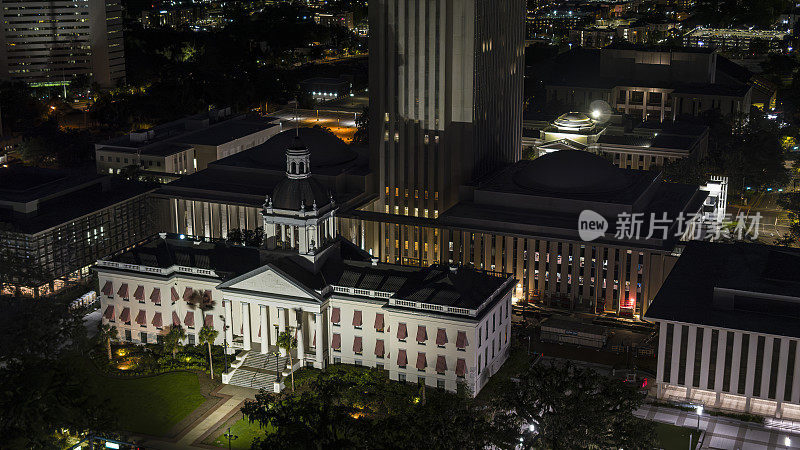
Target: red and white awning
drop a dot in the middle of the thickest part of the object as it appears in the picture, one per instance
(189, 319)
(175, 296)
(125, 317)
(108, 288)
(402, 331)
(187, 294)
(441, 364)
(357, 318)
(358, 344)
(141, 318)
(109, 314)
(402, 358)
(336, 315)
(176, 321)
(461, 367)
(461, 340)
(336, 342)
(422, 333)
(422, 362)
(379, 348)
(209, 322)
(155, 296)
(379, 321)
(123, 290)
(157, 320)
(441, 336)
(138, 294)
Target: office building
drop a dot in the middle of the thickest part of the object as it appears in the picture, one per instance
(186, 145)
(728, 329)
(651, 83)
(55, 224)
(737, 40)
(438, 325)
(51, 42)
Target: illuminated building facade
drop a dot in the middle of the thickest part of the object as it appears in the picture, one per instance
(51, 42)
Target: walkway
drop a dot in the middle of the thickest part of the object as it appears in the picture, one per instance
(722, 432)
(194, 434)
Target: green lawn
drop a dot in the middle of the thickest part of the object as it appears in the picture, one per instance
(152, 405)
(246, 432)
(672, 437)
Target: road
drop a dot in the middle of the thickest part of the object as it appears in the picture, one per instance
(342, 123)
(774, 221)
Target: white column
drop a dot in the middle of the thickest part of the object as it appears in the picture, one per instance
(688, 376)
(751, 369)
(783, 362)
(796, 374)
(318, 363)
(246, 336)
(228, 321)
(301, 345)
(736, 361)
(676, 353)
(282, 326)
(722, 345)
(705, 357)
(766, 366)
(662, 345)
(262, 312)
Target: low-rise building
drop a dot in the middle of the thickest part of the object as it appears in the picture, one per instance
(55, 224)
(184, 146)
(728, 317)
(439, 325)
(735, 39)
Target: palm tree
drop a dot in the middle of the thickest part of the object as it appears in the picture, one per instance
(208, 335)
(287, 341)
(172, 340)
(107, 333)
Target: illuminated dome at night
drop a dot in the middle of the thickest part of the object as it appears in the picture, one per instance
(574, 121)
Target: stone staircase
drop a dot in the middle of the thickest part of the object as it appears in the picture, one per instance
(259, 371)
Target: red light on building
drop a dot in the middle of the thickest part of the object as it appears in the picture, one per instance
(629, 303)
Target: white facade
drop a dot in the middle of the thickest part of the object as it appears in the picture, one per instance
(729, 369)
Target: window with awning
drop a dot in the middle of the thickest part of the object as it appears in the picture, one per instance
(422, 334)
(379, 348)
(402, 331)
(422, 362)
(187, 294)
(155, 296)
(138, 294)
(157, 322)
(108, 289)
(461, 367)
(358, 345)
(336, 342)
(189, 319)
(125, 317)
(441, 337)
(141, 318)
(336, 316)
(176, 321)
(379, 322)
(123, 291)
(357, 319)
(461, 340)
(175, 296)
(402, 358)
(109, 314)
(209, 322)
(441, 364)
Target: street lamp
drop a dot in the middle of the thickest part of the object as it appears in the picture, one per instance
(230, 437)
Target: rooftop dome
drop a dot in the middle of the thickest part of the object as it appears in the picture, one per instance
(292, 192)
(574, 121)
(571, 172)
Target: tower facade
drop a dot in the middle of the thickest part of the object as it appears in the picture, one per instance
(56, 40)
(446, 88)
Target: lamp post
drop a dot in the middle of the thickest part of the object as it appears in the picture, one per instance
(699, 410)
(230, 437)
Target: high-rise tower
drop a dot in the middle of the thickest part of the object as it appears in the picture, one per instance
(446, 87)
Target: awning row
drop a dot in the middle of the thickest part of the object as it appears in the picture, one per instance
(402, 357)
(155, 294)
(141, 318)
(402, 329)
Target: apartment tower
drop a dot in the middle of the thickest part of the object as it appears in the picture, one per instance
(50, 42)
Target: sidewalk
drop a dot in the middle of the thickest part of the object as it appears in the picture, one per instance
(722, 432)
(194, 434)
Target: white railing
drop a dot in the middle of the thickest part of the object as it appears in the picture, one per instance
(432, 307)
(156, 270)
(362, 292)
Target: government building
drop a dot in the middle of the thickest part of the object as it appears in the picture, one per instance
(439, 325)
(728, 329)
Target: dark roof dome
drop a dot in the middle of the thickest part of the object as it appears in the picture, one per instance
(574, 121)
(291, 193)
(572, 172)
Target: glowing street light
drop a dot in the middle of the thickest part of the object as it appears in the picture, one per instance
(596, 114)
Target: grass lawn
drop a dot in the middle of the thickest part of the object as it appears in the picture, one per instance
(672, 437)
(152, 405)
(243, 428)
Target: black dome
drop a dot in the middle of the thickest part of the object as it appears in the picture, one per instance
(291, 193)
(572, 172)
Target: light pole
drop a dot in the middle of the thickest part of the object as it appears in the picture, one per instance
(230, 437)
(699, 410)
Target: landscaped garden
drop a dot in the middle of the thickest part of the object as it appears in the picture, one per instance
(245, 433)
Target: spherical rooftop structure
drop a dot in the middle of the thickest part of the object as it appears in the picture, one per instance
(571, 172)
(573, 121)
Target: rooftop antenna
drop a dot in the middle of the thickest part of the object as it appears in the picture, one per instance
(296, 120)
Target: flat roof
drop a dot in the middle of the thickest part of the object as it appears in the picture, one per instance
(766, 279)
(226, 131)
(20, 183)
